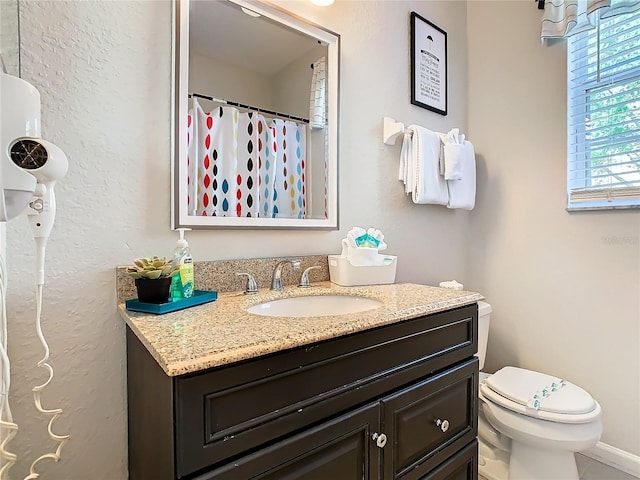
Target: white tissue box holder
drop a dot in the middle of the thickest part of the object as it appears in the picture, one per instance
(341, 272)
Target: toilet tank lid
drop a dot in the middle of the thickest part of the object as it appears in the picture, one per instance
(484, 308)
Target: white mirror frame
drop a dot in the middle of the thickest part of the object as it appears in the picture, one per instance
(180, 73)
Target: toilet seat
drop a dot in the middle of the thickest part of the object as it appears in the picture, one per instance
(539, 433)
(514, 388)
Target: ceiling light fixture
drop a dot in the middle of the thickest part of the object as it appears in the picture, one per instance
(322, 3)
(251, 13)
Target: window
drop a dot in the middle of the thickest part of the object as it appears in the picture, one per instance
(604, 115)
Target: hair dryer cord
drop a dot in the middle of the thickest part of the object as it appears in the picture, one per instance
(8, 428)
(61, 439)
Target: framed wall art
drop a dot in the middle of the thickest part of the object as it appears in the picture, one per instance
(428, 65)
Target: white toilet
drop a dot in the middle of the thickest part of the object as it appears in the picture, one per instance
(531, 424)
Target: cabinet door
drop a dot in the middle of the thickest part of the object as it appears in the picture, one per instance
(429, 422)
(339, 449)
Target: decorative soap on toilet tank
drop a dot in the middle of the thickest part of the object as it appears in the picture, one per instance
(361, 262)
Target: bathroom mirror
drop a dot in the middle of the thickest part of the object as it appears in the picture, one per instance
(255, 123)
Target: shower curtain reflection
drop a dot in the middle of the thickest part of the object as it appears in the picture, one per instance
(243, 165)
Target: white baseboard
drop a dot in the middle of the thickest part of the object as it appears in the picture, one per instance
(614, 457)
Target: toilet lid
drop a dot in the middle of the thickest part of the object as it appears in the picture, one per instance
(539, 395)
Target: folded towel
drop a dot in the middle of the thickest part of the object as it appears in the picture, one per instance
(452, 145)
(317, 97)
(419, 166)
(462, 193)
(403, 169)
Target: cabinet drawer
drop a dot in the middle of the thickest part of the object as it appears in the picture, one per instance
(227, 411)
(463, 466)
(338, 449)
(430, 421)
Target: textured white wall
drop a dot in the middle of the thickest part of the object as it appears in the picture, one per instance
(565, 287)
(103, 70)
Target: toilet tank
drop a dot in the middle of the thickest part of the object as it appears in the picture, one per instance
(484, 317)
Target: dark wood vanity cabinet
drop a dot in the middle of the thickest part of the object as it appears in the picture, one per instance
(395, 402)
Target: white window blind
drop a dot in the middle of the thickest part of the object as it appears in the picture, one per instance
(604, 115)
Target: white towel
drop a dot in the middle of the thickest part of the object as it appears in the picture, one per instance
(419, 166)
(317, 97)
(452, 146)
(405, 164)
(462, 193)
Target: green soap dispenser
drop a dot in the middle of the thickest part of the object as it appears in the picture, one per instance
(182, 281)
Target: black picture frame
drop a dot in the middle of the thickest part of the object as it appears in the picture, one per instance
(429, 79)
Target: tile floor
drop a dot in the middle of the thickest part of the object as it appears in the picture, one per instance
(590, 469)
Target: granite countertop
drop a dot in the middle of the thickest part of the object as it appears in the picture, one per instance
(223, 332)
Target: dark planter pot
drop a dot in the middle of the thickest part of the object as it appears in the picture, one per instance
(153, 291)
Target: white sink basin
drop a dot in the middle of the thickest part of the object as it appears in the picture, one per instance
(314, 306)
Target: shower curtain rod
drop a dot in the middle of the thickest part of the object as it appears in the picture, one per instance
(250, 107)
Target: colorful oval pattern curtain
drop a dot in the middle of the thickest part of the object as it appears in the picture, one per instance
(289, 143)
(242, 165)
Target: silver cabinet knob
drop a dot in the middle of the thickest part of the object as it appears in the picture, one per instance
(380, 439)
(443, 424)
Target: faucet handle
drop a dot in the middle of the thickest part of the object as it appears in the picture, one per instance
(252, 286)
(304, 279)
(295, 263)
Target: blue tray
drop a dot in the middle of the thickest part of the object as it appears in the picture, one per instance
(199, 297)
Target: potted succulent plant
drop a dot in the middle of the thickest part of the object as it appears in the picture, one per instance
(152, 277)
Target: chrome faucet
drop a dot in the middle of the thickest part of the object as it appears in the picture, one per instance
(276, 280)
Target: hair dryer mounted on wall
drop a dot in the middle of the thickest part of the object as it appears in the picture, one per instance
(48, 164)
(29, 166)
(29, 170)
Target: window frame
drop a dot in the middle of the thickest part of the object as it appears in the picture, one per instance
(580, 194)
